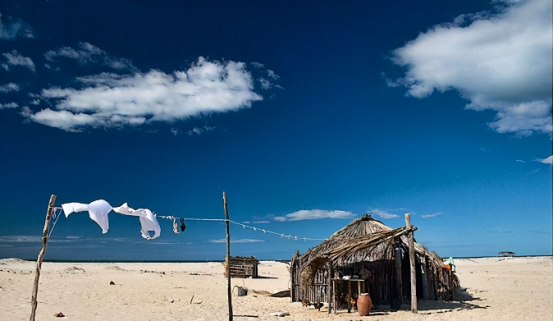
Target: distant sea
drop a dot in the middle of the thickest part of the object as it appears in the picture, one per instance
(265, 259)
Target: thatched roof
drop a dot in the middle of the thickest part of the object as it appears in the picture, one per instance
(364, 239)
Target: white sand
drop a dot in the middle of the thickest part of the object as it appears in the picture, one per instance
(502, 289)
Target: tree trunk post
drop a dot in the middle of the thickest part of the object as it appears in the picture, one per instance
(227, 267)
(412, 263)
(49, 212)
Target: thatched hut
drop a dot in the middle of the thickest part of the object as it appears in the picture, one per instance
(369, 250)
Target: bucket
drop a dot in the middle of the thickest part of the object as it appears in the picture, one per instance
(242, 291)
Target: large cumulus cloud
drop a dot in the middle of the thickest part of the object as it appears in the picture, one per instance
(499, 61)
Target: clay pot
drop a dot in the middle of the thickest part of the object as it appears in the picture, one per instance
(364, 304)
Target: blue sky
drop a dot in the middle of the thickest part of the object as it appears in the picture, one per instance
(308, 116)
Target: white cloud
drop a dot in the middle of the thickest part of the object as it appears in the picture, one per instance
(199, 130)
(260, 222)
(500, 62)
(431, 215)
(110, 100)
(237, 241)
(16, 59)
(87, 53)
(383, 214)
(14, 29)
(9, 87)
(547, 160)
(175, 131)
(520, 161)
(9, 105)
(314, 215)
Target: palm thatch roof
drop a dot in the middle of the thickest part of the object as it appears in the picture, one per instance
(364, 239)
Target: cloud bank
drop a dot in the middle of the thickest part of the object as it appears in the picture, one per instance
(314, 215)
(112, 100)
(500, 62)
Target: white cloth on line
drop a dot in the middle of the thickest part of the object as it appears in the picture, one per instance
(148, 221)
(97, 211)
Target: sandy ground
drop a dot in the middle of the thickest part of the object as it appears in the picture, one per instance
(500, 289)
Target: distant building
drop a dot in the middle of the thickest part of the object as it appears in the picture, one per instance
(506, 254)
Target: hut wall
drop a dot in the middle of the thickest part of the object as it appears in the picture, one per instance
(242, 266)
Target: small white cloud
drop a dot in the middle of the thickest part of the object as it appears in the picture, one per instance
(260, 222)
(383, 214)
(500, 62)
(110, 100)
(520, 161)
(86, 53)
(9, 105)
(16, 59)
(314, 215)
(9, 87)
(175, 131)
(431, 215)
(199, 130)
(15, 28)
(547, 160)
(237, 241)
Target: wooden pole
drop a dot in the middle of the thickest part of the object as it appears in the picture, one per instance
(227, 267)
(412, 263)
(398, 265)
(49, 212)
(329, 278)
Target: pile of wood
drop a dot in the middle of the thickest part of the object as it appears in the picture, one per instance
(242, 267)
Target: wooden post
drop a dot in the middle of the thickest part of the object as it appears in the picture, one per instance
(398, 265)
(49, 212)
(329, 278)
(227, 268)
(412, 263)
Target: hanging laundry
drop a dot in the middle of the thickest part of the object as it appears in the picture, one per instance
(147, 219)
(97, 211)
(183, 226)
(175, 226)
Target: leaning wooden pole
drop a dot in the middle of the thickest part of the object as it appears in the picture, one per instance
(49, 212)
(412, 263)
(227, 266)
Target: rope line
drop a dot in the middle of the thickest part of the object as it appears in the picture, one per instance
(56, 216)
(282, 235)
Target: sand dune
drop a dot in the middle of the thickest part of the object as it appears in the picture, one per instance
(498, 289)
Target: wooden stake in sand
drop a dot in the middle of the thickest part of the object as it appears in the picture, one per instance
(412, 263)
(49, 212)
(227, 266)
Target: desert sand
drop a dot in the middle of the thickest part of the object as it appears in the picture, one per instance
(497, 289)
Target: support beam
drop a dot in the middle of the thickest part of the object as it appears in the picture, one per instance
(398, 265)
(412, 263)
(49, 212)
(329, 277)
(228, 266)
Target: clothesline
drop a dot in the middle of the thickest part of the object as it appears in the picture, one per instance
(288, 236)
(99, 209)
